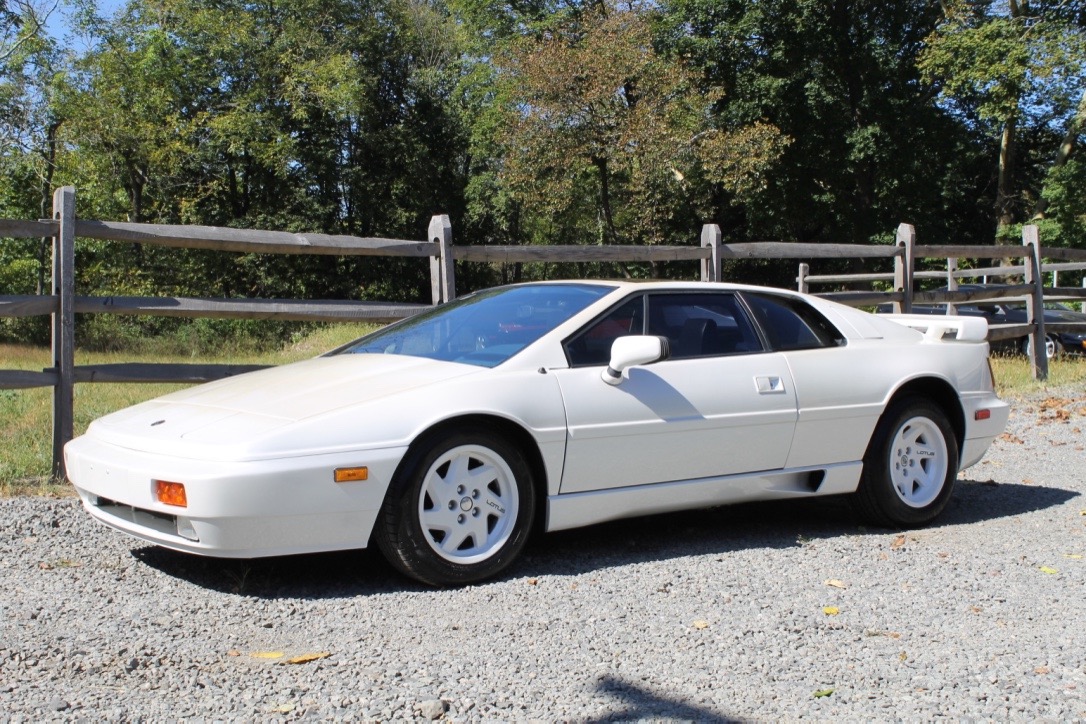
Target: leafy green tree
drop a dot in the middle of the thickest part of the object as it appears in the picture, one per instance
(1018, 71)
(868, 149)
(299, 115)
(30, 65)
(605, 135)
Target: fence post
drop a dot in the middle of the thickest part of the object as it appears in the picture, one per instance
(801, 278)
(710, 239)
(904, 267)
(63, 290)
(442, 273)
(1035, 306)
(951, 282)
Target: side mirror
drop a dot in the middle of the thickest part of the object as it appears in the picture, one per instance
(632, 351)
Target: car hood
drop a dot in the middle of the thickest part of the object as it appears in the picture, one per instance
(243, 410)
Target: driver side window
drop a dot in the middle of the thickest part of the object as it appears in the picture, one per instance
(592, 347)
(696, 324)
(699, 324)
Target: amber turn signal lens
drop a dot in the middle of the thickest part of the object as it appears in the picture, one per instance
(171, 493)
(351, 475)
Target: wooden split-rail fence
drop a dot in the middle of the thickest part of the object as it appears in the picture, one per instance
(439, 251)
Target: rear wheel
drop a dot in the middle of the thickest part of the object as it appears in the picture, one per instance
(910, 465)
(459, 510)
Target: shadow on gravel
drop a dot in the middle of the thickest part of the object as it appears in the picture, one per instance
(976, 501)
(715, 531)
(312, 576)
(642, 704)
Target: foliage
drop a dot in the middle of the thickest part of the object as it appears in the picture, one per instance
(601, 127)
(1018, 73)
(529, 121)
(868, 148)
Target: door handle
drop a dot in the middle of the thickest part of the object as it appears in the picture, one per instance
(771, 385)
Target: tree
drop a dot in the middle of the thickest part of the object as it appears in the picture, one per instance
(30, 67)
(300, 115)
(612, 139)
(868, 147)
(1013, 69)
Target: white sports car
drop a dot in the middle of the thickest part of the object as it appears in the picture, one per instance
(449, 437)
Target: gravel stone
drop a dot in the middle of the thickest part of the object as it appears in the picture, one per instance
(432, 709)
(716, 615)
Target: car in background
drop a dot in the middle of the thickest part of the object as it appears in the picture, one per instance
(450, 437)
(1008, 311)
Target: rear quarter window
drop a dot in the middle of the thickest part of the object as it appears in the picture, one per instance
(792, 324)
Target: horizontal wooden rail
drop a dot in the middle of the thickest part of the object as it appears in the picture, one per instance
(224, 238)
(25, 229)
(884, 277)
(247, 240)
(554, 254)
(863, 298)
(1065, 326)
(27, 305)
(1055, 252)
(160, 372)
(969, 252)
(284, 309)
(1057, 293)
(997, 332)
(23, 379)
(786, 250)
(1014, 291)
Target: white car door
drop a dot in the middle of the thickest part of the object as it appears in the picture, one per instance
(715, 408)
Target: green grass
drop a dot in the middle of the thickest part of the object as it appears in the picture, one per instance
(26, 415)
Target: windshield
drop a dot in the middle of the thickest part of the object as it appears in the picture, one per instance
(483, 329)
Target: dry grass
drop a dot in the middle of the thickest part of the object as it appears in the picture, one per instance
(1014, 378)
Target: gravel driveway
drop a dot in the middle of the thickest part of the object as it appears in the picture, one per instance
(754, 612)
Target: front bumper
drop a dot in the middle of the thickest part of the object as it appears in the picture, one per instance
(235, 510)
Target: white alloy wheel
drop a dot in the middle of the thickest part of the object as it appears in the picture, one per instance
(910, 465)
(918, 462)
(460, 508)
(468, 504)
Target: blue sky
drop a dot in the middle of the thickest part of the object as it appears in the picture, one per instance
(57, 24)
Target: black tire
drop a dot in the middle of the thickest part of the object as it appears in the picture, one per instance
(910, 465)
(459, 509)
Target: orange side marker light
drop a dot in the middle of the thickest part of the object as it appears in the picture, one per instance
(351, 475)
(171, 493)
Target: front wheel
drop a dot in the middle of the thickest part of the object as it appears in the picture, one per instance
(459, 509)
(910, 465)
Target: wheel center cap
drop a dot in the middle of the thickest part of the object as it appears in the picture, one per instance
(465, 504)
(904, 459)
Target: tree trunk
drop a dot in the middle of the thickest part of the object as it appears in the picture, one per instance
(605, 199)
(1004, 205)
(50, 158)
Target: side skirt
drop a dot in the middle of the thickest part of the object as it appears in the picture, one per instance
(574, 510)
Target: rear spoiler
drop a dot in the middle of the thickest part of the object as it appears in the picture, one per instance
(936, 326)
